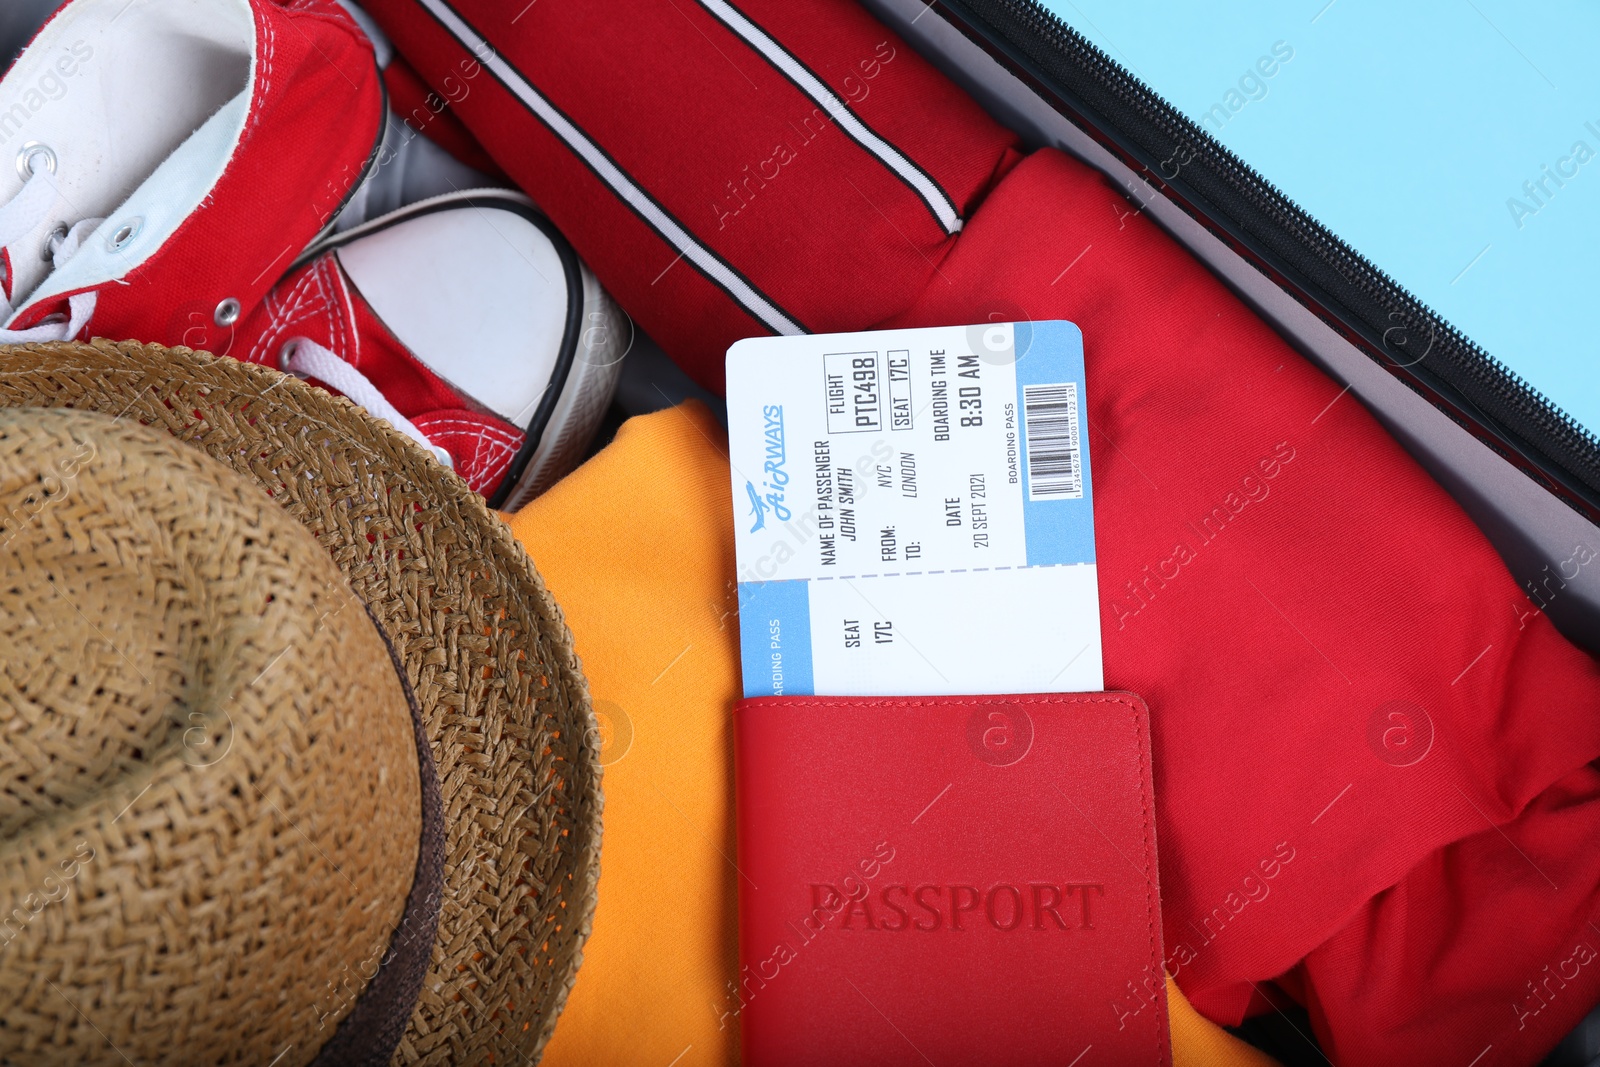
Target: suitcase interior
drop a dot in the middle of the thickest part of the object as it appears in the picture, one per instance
(1531, 527)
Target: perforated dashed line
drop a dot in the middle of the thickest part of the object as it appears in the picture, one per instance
(952, 570)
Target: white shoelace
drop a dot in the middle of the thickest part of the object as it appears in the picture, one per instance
(20, 216)
(307, 359)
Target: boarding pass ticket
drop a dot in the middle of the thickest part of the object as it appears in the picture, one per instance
(914, 512)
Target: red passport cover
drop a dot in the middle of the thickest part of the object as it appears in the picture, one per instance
(948, 880)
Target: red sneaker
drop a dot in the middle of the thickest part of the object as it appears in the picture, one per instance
(173, 159)
(468, 323)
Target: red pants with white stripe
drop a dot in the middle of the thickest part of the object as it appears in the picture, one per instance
(794, 166)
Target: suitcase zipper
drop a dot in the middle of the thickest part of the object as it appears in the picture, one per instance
(1337, 283)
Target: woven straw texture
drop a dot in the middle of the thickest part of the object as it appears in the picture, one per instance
(176, 745)
(484, 647)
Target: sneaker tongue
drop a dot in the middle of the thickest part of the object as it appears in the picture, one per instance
(141, 224)
(102, 98)
(21, 218)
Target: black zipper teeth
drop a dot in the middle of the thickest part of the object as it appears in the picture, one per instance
(1503, 401)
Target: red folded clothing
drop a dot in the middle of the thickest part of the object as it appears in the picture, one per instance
(429, 112)
(1490, 993)
(1276, 575)
(695, 170)
(1343, 679)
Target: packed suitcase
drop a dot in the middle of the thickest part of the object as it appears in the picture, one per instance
(813, 536)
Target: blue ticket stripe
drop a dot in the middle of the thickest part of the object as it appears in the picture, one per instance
(1057, 531)
(775, 638)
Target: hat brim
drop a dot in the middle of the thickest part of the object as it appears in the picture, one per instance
(483, 643)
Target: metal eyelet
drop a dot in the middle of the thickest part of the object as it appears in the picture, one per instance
(123, 235)
(227, 312)
(286, 354)
(53, 242)
(32, 152)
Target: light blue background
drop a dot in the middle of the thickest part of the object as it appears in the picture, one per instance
(1404, 126)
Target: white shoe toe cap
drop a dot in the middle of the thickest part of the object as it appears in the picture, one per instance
(478, 294)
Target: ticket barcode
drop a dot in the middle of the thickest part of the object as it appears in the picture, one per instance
(1050, 428)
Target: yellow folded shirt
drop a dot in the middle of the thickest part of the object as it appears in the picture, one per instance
(637, 547)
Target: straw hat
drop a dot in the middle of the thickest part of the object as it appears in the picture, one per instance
(297, 765)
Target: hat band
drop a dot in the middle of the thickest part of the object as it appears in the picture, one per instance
(378, 1020)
